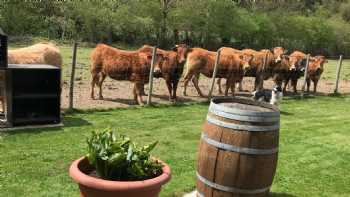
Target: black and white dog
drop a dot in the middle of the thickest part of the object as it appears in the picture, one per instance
(273, 97)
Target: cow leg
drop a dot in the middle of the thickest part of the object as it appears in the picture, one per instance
(175, 82)
(143, 93)
(170, 88)
(94, 81)
(187, 79)
(219, 85)
(233, 87)
(137, 93)
(294, 84)
(134, 93)
(315, 85)
(240, 85)
(228, 85)
(308, 83)
(286, 82)
(257, 83)
(195, 83)
(103, 77)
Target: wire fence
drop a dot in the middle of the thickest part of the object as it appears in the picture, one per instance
(336, 79)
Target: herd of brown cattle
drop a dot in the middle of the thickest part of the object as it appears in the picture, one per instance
(233, 65)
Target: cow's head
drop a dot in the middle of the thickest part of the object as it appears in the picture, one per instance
(321, 59)
(296, 63)
(285, 63)
(317, 63)
(157, 69)
(278, 52)
(160, 58)
(246, 59)
(182, 51)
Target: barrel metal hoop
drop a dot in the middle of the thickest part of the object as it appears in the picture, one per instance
(243, 112)
(232, 148)
(269, 128)
(230, 189)
(224, 114)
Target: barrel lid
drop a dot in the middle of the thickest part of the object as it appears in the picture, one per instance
(244, 107)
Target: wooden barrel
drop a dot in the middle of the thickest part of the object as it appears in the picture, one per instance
(238, 149)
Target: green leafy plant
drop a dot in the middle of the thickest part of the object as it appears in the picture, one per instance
(116, 157)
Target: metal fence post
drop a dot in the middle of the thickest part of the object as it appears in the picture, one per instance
(338, 73)
(72, 77)
(149, 98)
(217, 59)
(305, 75)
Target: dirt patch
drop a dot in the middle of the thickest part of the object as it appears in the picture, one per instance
(119, 93)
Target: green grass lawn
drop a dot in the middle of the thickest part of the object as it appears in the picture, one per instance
(331, 67)
(313, 160)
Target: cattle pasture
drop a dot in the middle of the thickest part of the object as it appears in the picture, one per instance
(313, 159)
(119, 94)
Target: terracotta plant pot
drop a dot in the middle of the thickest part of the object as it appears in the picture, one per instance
(95, 187)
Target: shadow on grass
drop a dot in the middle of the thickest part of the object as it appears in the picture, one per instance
(121, 100)
(32, 130)
(180, 99)
(273, 194)
(69, 121)
(286, 113)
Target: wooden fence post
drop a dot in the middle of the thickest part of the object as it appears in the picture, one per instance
(338, 73)
(149, 98)
(305, 75)
(72, 77)
(217, 59)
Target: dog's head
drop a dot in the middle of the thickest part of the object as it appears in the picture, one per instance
(277, 94)
(277, 89)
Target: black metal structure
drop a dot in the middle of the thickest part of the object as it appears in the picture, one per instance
(3, 50)
(33, 93)
(30, 94)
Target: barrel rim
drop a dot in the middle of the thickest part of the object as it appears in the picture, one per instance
(215, 104)
(230, 189)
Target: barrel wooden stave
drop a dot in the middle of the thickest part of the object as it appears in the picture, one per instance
(234, 169)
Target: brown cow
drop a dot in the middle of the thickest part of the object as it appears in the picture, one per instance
(280, 71)
(40, 53)
(171, 68)
(272, 65)
(118, 64)
(201, 61)
(257, 68)
(297, 64)
(315, 71)
(229, 50)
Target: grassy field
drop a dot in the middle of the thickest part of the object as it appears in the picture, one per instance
(313, 159)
